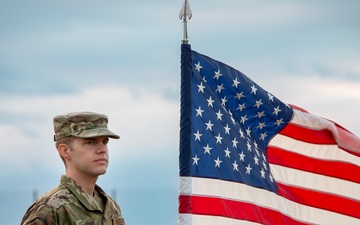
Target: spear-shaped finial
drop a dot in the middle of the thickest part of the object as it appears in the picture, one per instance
(185, 15)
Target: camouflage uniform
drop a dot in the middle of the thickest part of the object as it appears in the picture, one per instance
(69, 204)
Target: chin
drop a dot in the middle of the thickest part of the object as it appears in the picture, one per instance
(102, 172)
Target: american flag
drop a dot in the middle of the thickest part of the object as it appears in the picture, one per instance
(248, 158)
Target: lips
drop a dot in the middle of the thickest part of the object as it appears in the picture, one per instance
(101, 160)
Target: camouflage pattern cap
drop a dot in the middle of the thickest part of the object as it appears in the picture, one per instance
(83, 125)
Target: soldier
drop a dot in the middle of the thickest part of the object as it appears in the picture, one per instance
(81, 140)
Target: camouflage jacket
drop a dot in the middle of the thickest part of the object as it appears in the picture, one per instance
(68, 204)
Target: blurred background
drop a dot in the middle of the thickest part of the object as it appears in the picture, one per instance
(122, 58)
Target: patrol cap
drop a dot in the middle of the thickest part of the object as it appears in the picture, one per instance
(83, 125)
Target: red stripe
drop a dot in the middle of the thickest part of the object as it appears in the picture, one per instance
(232, 209)
(341, 170)
(320, 200)
(308, 135)
(331, 133)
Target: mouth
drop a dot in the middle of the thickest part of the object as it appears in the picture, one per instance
(101, 160)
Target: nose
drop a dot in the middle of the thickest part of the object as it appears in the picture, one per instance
(102, 148)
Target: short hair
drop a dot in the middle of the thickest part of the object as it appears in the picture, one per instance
(67, 141)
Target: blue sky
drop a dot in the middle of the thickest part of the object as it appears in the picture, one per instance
(121, 58)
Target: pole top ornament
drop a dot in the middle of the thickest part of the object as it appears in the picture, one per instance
(185, 15)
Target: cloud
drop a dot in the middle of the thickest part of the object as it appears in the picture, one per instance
(143, 118)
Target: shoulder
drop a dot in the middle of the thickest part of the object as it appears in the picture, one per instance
(112, 203)
(44, 210)
(113, 209)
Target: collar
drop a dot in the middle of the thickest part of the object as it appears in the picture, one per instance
(86, 200)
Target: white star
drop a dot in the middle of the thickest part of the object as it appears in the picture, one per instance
(201, 87)
(235, 82)
(264, 157)
(233, 120)
(253, 89)
(196, 159)
(256, 150)
(218, 138)
(271, 97)
(248, 131)
(276, 110)
(241, 133)
(264, 164)
(262, 173)
(242, 156)
(219, 115)
(256, 159)
(217, 162)
(235, 166)
(263, 136)
(235, 142)
(199, 111)
(248, 169)
(210, 101)
(261, 125)
(260, 114)
(223, 101)
(207, 149)
(241, 107)
(217, 75)
(239, 95)
(220, 88)
(197, 135)
(227, 129)
(258, 103)
(279, 122)
(198, 67)
(209, 125)
(243, 119)
(271, 178)
(227, 152)
(248, 146)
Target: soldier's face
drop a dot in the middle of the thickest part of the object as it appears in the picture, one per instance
(89, 156)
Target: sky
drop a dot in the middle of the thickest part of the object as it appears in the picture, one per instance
(122, 59)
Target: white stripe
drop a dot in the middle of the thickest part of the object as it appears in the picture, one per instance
(263, 198)
(326, 152)
(316, 182)
(311, 121)
(191, 219)
(343, 138)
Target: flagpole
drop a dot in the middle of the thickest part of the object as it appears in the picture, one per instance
(185, 15)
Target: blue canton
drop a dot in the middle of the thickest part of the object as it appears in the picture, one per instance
(233, 119)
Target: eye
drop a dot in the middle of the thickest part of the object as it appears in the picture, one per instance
(90, 142)
(106, 141)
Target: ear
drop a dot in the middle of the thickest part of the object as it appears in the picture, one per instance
(64, 150)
